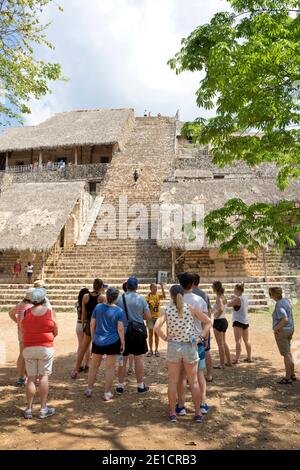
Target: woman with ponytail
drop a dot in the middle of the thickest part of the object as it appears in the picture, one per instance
(220, 326)
(182, 347)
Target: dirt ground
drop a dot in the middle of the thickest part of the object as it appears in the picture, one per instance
(249, 410)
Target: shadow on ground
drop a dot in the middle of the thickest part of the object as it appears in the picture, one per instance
(248, 410)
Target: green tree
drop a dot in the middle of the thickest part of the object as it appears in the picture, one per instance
(250, 60)
(22, 75)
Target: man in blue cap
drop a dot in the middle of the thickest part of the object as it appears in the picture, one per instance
(136, 311)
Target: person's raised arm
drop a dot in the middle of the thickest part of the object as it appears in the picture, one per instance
(159, 324)
(163, 291)
(235, 302)
(205, 320)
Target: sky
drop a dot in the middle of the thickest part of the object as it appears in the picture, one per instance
(115, 53)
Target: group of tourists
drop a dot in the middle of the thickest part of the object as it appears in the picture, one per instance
(111, 329)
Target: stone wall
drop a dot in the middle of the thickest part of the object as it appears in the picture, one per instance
(190, 158)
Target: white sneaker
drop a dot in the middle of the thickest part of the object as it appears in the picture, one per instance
(28, 414)
(47, 412)
(108, 396)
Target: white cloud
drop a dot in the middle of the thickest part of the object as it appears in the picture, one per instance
(115, 53)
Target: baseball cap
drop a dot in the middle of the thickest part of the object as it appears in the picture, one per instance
(132, 283)
(38, 295)
(28, 294)
(105, 286)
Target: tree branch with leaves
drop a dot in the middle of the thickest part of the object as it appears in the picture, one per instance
(251, 63)
(23, 76)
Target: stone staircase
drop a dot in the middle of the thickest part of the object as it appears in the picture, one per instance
(151, 149)
(64, 296)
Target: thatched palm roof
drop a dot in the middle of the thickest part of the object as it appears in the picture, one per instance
(73, 128)
(213, 194)
(33, 214)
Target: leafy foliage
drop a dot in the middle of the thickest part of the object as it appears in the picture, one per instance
(22, 76)
(250, 58)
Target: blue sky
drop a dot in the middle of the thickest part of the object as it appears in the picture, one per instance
(115, 54)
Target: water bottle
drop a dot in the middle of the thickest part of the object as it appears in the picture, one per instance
(120, 360)
(194, 342)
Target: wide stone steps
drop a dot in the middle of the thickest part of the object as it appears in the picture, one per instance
(63, 298)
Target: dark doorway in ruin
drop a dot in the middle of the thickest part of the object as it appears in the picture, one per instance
(62, 238)
(2, 161)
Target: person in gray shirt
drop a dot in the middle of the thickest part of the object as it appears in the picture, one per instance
(283, 327)
(201, 293)
(137, 311)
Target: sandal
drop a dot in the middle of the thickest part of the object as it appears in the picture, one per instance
(248, 360)
(285, 381)
(293, 377)
(157, 354)
(149, 354)
(236, 361)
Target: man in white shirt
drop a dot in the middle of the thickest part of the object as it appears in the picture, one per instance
(186, 281)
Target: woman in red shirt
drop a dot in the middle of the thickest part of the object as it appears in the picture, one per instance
(39, 328)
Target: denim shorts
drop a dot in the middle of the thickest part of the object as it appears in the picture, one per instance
(201, 354)
(178, 352)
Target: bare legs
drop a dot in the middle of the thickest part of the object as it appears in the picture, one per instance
(289, 365)
(202, 385)
(84, 347)
(181, 388)
(109, 371)
(86, 358)
(138, 368)
(245, 335)
(151, 334)
(238, 342)
(131, 362)
(31, 390)
(209, 366)
(240, 334)
(174, 374)
(223, 347)
(93, 371)
(21, 363)
(173, 380)
(44, 390)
